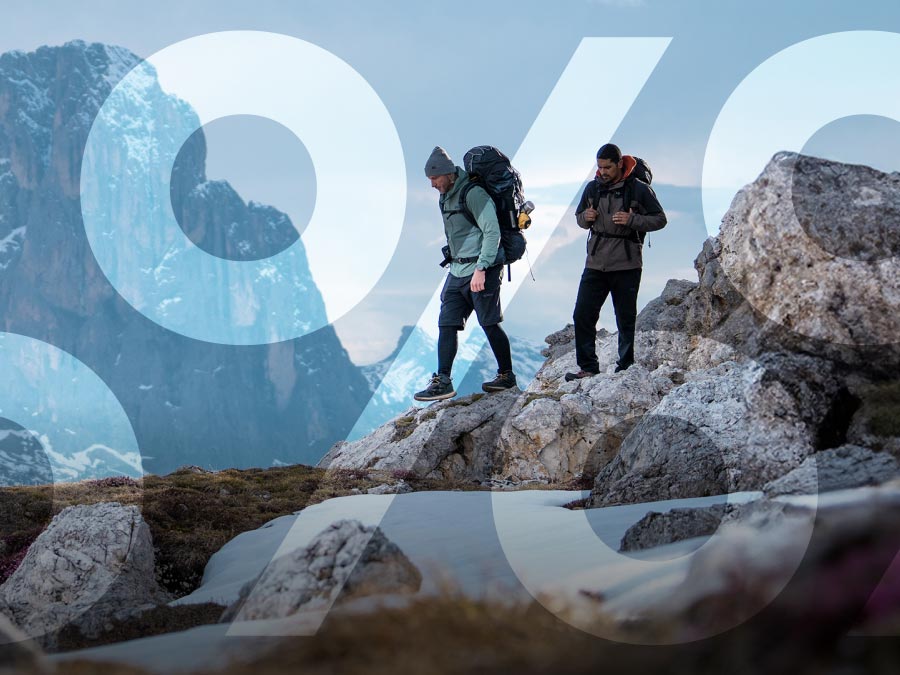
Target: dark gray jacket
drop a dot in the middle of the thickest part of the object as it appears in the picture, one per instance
(611, 247)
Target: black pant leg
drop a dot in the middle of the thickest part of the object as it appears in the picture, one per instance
(448, 340)
(624, 287)
(592, 292)
(499, 341)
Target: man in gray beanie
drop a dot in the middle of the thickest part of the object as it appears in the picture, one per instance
(476, 270)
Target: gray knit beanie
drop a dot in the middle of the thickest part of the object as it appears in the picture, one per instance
(439, 163)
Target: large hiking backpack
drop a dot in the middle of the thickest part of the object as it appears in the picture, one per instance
(642, 171)
(491, 169)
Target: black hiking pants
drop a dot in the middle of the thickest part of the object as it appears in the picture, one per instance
(593, 289)
(457, 303)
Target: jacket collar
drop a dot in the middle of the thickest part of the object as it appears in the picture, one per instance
(629, 163)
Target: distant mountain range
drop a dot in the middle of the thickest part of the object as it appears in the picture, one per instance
(189, 402)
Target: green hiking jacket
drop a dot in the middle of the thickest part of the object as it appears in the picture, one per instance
(467, 240)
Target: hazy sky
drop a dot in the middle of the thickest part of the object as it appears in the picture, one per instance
(458, 74)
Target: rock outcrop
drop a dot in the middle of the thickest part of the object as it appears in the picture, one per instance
(777, 290)
(346, 558)
(797, 267)
(812, 244)
(93, 564)
(560, 431)
(658, 529)
(734, 428)
(453, 440)
(735, 384)
(848, 466)
(554, 431)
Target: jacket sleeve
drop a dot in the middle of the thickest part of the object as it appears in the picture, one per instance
(582, 207)
(652, 216)
(482, 207)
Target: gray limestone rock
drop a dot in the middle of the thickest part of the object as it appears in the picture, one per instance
(346, 558)
(657, 529)
(848, 466)
(455, 439)
(566, 430)
(563, 341)
(399, 488)
(676, 328)
(93, 564)
(734, 428)
(812, 245)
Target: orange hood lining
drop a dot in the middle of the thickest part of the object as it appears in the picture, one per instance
(628, 164)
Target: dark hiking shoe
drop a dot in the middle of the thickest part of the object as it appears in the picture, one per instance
(438, 389)
(502, 382)
(581, 374)
(620, 367)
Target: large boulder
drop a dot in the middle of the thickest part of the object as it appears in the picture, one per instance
(659, 528)
(732, 428)
(806, 260)
(812, 244)
(347, 558)
(92, 565)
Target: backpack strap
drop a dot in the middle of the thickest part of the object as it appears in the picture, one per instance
(463, 207)
(467, 213)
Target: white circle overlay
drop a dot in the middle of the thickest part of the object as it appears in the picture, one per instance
(789, 97)
(779, 107)
(360, 177)
(579, 559)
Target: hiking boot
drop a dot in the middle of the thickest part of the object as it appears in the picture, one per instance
(438, 389)
(581, 374)
(502, 382)
(622, 366)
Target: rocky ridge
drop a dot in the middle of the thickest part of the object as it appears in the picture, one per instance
(723, 397)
